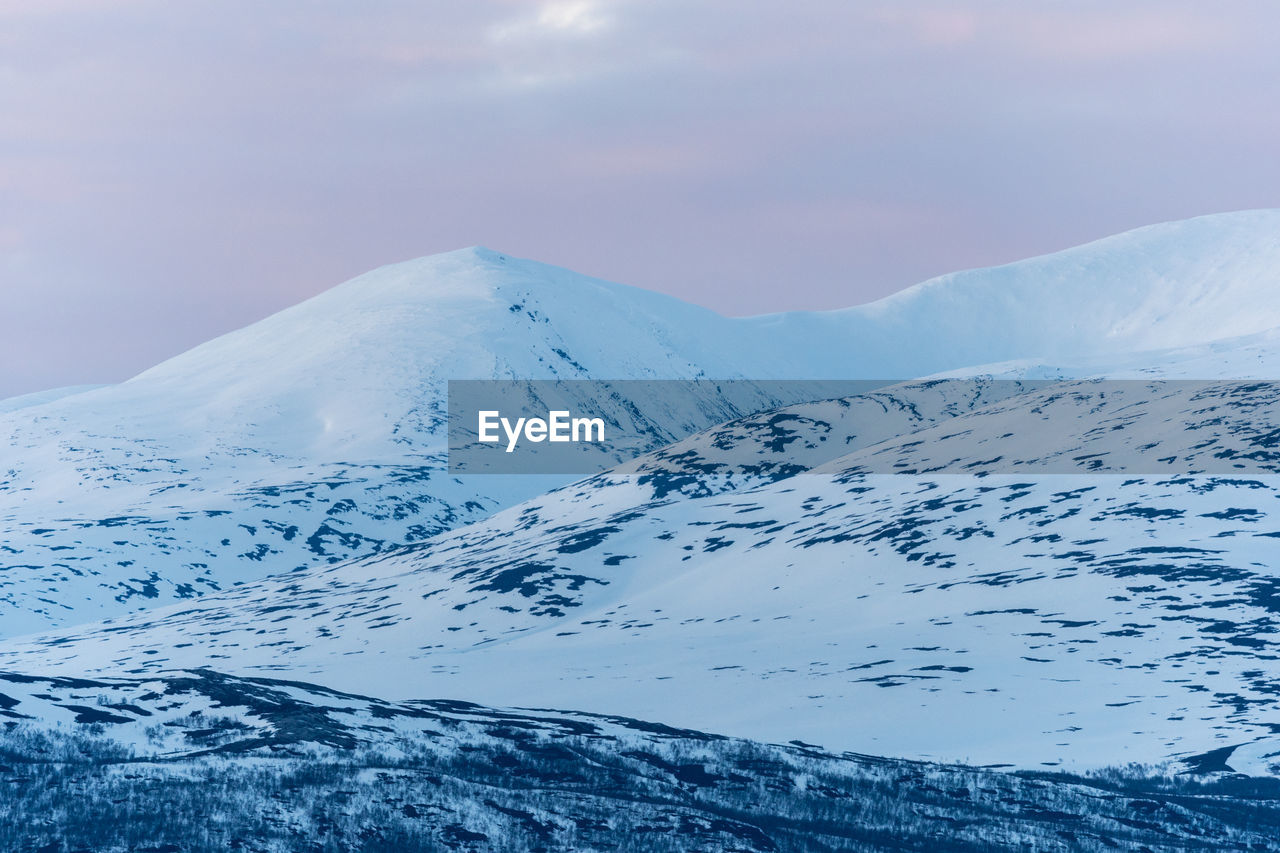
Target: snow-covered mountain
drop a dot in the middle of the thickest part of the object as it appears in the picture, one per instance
(317, 434)
(1071, 619)
(764, 578)
(1173, 285)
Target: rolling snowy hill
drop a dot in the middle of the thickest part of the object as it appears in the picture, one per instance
(1069, 573)
(1077, 618)
(316, 435)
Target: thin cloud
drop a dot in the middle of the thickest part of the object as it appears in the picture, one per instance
(560, 18)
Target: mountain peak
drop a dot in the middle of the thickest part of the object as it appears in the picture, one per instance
(352, 382)
(1174, 284)
(466, 254)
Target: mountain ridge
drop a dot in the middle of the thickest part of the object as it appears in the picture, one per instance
(1062, 620)
(316, 435)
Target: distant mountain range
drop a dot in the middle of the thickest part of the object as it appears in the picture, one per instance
(764, 578)
(316, 435)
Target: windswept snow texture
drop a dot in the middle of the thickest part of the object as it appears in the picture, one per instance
(1071, 620)
(761, 579)
(317, 434)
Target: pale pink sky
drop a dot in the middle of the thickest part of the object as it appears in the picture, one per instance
(171, 171)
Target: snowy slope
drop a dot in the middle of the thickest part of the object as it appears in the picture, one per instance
(1076, 619)
(40, 398)
(1254, 356)
(316, 434)
(202, 760)
(1174, 285)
